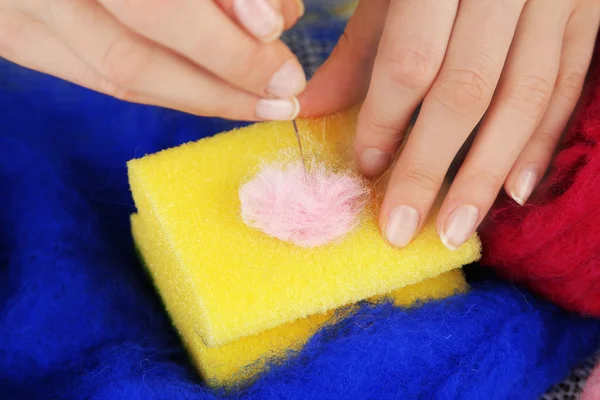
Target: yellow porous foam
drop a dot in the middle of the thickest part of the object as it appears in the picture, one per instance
(234, 281)
(241, 360)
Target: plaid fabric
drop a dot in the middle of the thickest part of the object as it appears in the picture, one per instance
(341, 8)
(312, 40)
(571, 388)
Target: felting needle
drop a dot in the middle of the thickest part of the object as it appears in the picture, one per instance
(300, 147)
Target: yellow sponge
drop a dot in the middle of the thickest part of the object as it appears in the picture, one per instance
(230, 281)
(241, 360)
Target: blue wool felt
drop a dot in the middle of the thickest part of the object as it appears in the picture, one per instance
(80, 320)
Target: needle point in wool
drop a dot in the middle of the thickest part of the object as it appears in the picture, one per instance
(300, 147)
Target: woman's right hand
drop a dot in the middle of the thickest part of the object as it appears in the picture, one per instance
(219, 58)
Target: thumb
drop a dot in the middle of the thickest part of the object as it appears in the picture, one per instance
(343, 80)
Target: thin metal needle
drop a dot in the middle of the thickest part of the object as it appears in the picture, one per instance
(300, 147)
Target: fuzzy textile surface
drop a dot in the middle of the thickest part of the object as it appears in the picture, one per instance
(552, 245)
(80, 320)
(308, 209)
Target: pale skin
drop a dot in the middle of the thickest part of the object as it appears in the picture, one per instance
(516, 67)
(206, 57)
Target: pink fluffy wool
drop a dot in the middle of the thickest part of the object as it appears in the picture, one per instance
(308, 210)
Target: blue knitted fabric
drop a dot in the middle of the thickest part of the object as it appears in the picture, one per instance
(80, 320)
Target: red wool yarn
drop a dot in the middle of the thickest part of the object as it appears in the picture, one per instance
(552, 244)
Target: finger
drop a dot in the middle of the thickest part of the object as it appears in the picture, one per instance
(203, 33)
(520, 103)
(577, 51)
(480, 41)
(30, 44)
(291, 11)
(129, 62)
(409, 57)
(343, 79)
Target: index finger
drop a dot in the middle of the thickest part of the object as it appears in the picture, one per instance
(203, 33)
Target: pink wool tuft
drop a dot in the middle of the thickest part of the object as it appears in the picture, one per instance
(307, 210)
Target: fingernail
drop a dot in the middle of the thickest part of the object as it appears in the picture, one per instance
(525, 183)
(301, 8)
(401, 226)
(259, 18)
(459, 226)
(289, 80)
(374, 162)
(278, 109)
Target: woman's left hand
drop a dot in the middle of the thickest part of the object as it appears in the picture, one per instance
(522, 63)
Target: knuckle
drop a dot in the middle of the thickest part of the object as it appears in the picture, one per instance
(570, 84)
(410, 68)
(378, 128)
(124, 61)
(529, 95)
(421, 177)
(466, 93)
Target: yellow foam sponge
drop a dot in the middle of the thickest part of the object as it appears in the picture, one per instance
(241, 360)
(233, 281)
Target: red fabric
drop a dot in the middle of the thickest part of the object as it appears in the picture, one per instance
(552, 244)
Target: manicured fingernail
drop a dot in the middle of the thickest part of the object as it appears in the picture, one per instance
(259, 18)
(401, 226)
(278, 109)
(459, 226)
(525, 183)
(301, 8)
(289, 80)
(374, 162)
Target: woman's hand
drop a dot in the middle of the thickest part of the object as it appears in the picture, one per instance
(522, 63)
(214, 58)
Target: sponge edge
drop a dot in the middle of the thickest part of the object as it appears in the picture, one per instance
(234, 281)
(242, 360)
